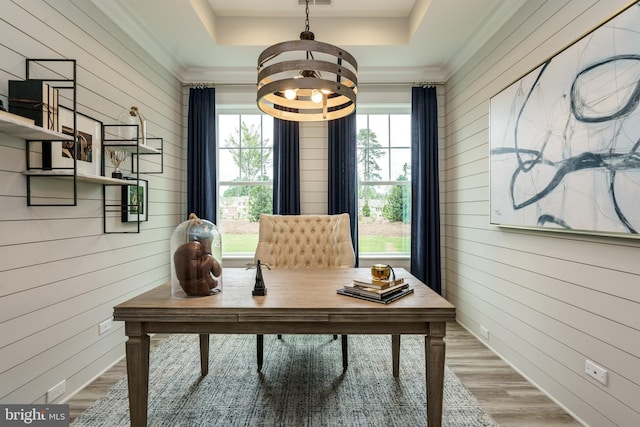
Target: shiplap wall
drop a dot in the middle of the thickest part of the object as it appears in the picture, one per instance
(314, 168)
(549, 300)
(60, 276)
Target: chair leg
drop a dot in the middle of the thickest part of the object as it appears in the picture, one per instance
(335, 337)
(345, 348)
(259, 348)
(279, 336)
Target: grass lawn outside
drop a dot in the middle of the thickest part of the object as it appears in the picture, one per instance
(246, 243)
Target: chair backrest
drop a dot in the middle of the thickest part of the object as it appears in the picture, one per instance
(305, 241)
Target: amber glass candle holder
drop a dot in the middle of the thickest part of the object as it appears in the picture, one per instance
(381, 271)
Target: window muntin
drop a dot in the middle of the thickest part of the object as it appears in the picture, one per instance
(384, 183)
(245, 178)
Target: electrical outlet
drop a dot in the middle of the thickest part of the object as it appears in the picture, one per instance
(56, 391)
(484, 332)
(104, 326)
(595, 371)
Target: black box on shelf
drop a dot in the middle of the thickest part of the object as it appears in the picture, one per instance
(36, 100)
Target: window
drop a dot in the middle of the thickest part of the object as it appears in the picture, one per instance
(384, 183)
(245, 178)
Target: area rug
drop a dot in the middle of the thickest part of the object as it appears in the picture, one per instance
(301, 384)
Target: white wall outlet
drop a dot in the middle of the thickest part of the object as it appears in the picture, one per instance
(595, 371)
(104, 326)
(484, 332)
(56, 391)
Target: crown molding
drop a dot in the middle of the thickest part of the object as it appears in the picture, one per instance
(124, 17)
(485, 30)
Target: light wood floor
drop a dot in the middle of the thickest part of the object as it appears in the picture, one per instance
(505, 394)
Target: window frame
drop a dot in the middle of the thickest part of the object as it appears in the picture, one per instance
(221, 111)
(388, 182)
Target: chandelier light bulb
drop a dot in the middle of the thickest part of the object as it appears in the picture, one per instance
(290, 94)
(316, 96)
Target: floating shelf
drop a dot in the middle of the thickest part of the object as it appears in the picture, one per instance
(68, 173)
(133, 147)
(19, 128)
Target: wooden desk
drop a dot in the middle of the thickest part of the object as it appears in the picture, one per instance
(297, 302)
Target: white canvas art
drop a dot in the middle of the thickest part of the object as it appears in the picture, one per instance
(565, 137)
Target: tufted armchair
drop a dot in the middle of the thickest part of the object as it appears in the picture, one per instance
(305, 241)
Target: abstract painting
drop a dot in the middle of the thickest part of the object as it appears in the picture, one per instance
(565, 138)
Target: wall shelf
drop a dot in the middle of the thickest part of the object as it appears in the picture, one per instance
(133, 147)
(20, 129)
(61, 173)
(113, 140)
(117, 208)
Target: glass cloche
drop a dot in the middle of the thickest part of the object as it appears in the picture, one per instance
(196, 259)
(127, 131)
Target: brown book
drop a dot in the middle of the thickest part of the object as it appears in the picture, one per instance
(373, 292)
(377, 283)
(385, 300)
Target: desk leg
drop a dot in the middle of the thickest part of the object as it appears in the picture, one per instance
(204, 354)
(137, 350)
(434, 349)
(395, 354)
(259, 350)
(345, 353)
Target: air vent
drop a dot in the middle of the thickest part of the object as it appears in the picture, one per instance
(315, 2)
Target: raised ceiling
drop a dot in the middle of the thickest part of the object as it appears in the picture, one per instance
(393, 40)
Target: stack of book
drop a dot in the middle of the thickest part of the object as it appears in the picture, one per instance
(382, 291)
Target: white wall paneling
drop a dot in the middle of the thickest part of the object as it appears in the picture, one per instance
(549, 300)
(60, 276)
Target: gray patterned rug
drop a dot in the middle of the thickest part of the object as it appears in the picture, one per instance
(301, 384)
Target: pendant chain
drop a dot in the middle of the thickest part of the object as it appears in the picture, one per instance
(306, 22)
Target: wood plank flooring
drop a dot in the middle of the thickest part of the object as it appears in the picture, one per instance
(505, 394)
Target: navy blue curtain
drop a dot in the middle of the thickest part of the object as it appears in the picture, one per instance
(343, 173)
(286, 167)
(425, 188)
(201, 154)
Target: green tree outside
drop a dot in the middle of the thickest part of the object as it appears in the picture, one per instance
(260, 202)
(398, 206)
(368, 168)
(252, 156)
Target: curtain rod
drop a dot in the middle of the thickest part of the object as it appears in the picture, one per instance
(209, 84)
(425, 83)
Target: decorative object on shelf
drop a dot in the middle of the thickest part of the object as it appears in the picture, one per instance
(131, 117)
(259, 288)
(322, 86)
(196, 264)
(117, 157)
(87, 148)
(135, 201)
(36, 100)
